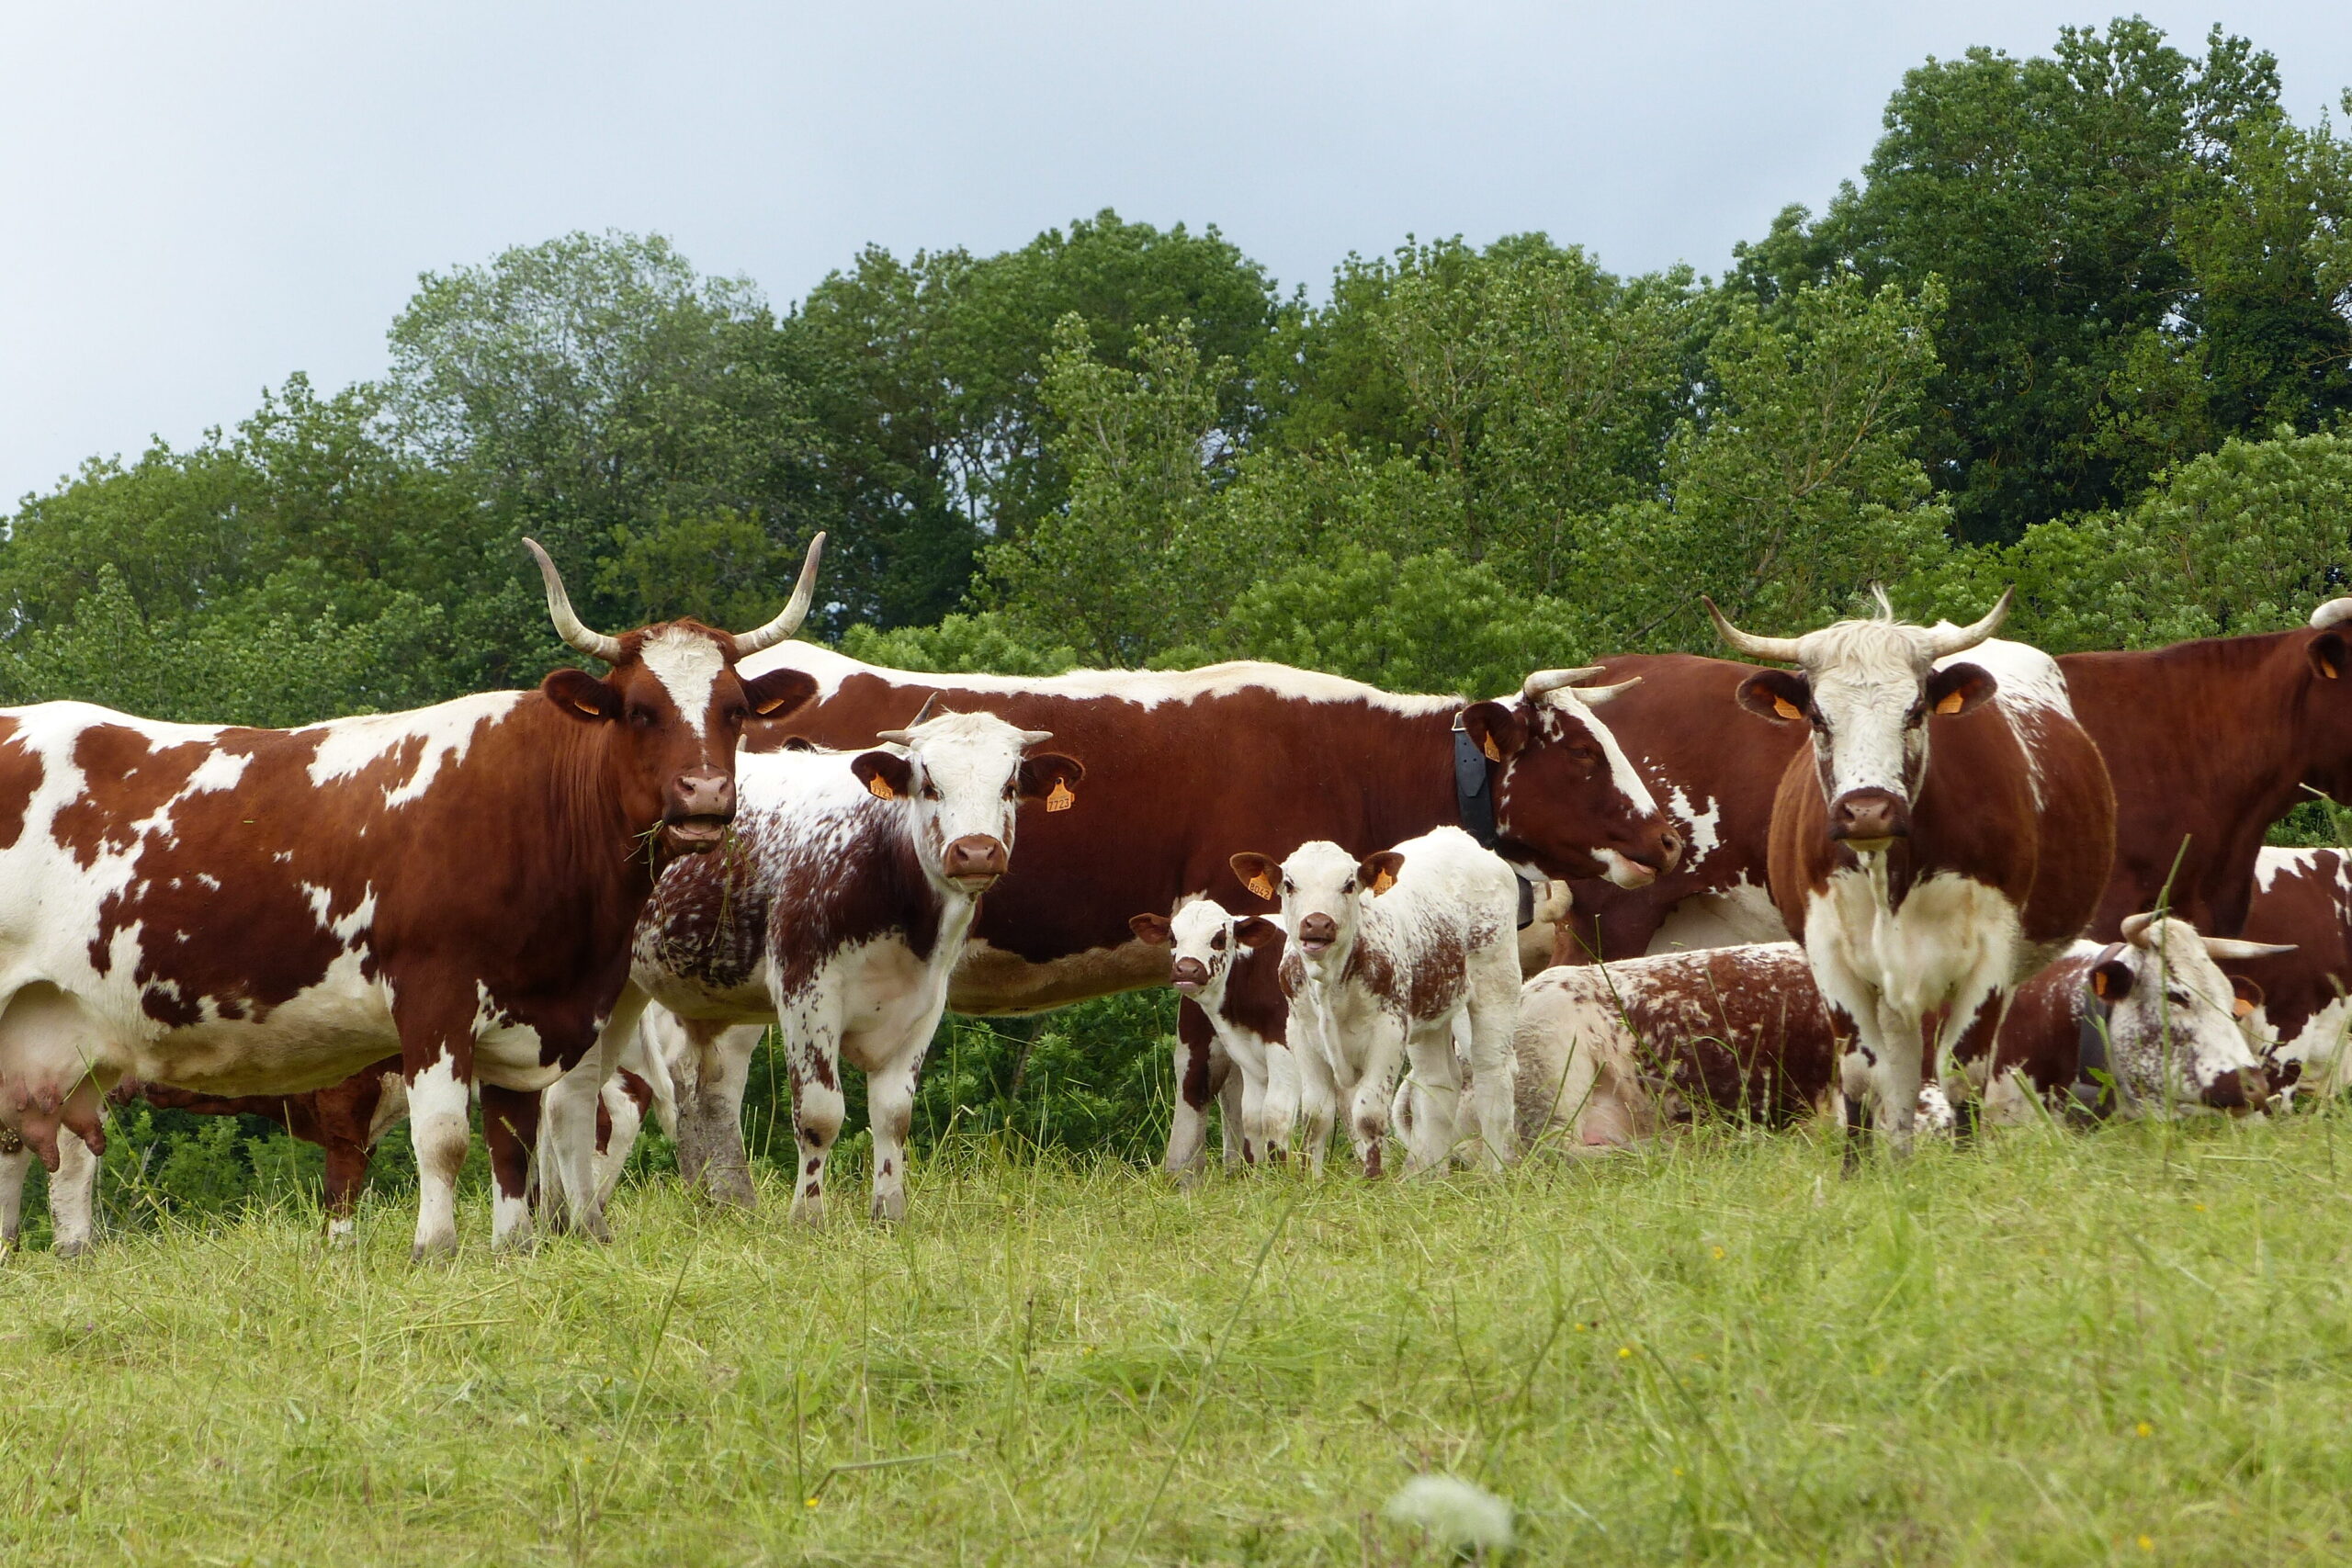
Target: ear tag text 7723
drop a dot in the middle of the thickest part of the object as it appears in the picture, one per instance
(1060, 797)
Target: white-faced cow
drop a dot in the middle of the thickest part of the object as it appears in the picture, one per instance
(1250, 1071)
(252, 912)
(1947, 834)
(1383, 954)
(838, 913)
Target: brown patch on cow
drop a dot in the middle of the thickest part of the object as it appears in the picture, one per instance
(1253, 996)
(1441, 976)
(1192, 1029)
(20, 776)
(125, 780)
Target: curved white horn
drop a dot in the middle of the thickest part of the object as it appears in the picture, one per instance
(2223, 947)
(1543, 680)
(2335, 612)
(899, 737)
(1781, 649)
(568, 624)
(1944, 641)
(2136, 927)
(795, 612)
(1593, 696)
(1035, 737)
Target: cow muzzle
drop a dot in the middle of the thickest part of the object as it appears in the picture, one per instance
(2245, 1089)
(975, 860)
(702, 803)
(1316, 935)
(1192, 976)
(1869, 819)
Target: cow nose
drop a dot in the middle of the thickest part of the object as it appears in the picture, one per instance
(704, 791)
(976, 858)
(2239, 1090)
(1190, 974)
(1670, 849)
(1868, 819)
(1317, 932)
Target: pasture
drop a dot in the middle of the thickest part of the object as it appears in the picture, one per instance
(2130, 1345)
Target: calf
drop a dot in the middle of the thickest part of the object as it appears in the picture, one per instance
(1610, 1054)
(839, 915)
(1249, 1063)
(1383, 954)
(1946, 835)
(2304, 897)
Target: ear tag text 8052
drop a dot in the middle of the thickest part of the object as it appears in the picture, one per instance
(1060, 797)
(1262, 886)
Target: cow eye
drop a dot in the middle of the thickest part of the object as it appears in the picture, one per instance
(1217, 942)
(640, 718)
(929, 790)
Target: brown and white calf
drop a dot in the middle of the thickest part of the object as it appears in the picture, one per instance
(254, 912)
(1249, 1070)
(1947, 833)
(1384, 954)
(1612, 1054)
(839, 914)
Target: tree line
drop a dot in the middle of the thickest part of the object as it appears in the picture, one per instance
(2082, 321)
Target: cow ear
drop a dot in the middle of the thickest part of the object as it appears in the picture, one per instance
(779, 693)
(2247, 996)
(2326, 653)
(1152, 929)
(1378, 873)
(1780, 696)
(1960, 688)
(1049, 774)
(2112, 981)
(1258, 932)
(1498, 729)
(1260, 873)
(578, 694)
(886, 775)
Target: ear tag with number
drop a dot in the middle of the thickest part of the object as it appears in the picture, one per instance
(591, 709)
(1487, 744)
(1953, 702)
(2098, 984)
(1060, 798)
(879, 787)
(2242, 1008)
(1786, 709)
(1262, 887)
(2327, 670)
(1382, 883)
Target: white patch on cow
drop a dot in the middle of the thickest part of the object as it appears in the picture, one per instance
(2273, 863)
(688, 664)
(208, 882)
(1735, 916)
(2031, 690)
(1701, 830)
(1145, 688)
(220, 769)
(349, 746)
(349, 927)
(1561, 707)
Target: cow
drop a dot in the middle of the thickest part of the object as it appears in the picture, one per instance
(2305, 897)
(242, 912)
(1250, 1071)
(1946, 835)
(1382, 955)
(347, 1119)
(1611, 1055)
(838, 912)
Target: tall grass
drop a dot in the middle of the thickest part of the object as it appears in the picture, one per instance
(2044, 1349)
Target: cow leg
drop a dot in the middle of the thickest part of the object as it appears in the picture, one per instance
(439, 1084)
(619, 1119)
(347, 1179)
(73, 1199)
(1368, 1105)
(812, 1060)
(1318, 1092)
(510, 1124)
(1493, 1007)
(1894, 1078)
(1280, 1110)
(1250, 1072)
(1230, 1094)
(710, 1112)
(1188, 1128)
(890, 1112)
(570, 1197)
(16, 1164)
(1433, 1093)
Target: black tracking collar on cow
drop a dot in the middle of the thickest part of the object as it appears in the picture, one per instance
(1473, 803)
(2096, 1088)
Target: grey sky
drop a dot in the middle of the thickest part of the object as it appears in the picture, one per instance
(199, 200)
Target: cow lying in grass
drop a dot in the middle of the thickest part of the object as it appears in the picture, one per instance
(1248, 1066)
(1383, 954)
(1610, 1053)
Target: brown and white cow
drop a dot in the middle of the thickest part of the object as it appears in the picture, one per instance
(252, 912)
(1947, 834)
(2304, 897)
(1249, 1069)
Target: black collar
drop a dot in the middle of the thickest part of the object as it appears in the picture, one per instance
(1474, 804)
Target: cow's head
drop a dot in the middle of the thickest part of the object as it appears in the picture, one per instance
(1568, 801)
(1206, 939)
(1322, 890)
(1867, 689)
(961, 776)
(2176, 1024)
(2327, 668)
(671, 708)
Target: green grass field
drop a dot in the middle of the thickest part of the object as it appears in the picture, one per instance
(2130, 1346)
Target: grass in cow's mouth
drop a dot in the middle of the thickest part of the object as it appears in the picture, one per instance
(2049, 1348)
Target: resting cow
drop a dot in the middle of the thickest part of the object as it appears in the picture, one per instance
(2304, 897)
(1250, 1071)
(1384, 954)
(1946, 835)
(253, 911)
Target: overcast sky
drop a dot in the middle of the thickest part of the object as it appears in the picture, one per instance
(197, 199)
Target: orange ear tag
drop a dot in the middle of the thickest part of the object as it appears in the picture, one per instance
(879, 787)
(1786, 709)
(2098, 985)
(2243, 1007)
(771, 705)
(1262, 887)
(1487, 744)
(591, 709)
(1953, 702)
(1060, 797)
(1382, 884)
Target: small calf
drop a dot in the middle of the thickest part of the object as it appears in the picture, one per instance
(1246, 1061)
(1383, 954)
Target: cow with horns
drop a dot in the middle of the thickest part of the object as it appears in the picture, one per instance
(1947, 833)
(256, 912)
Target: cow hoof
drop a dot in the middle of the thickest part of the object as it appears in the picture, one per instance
(76, 1248)
(890, 1210)
(441, 1253)
(730, 1188)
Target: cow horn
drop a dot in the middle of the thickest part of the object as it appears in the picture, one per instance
(1593, 696)
(1944, 641)
(1780, 649)
(568, 624)
(2226, 949)
(1544, 680)
(796, 612)
(2335, 612)
(900, 736)
(1035, 737)
(2135, 928)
